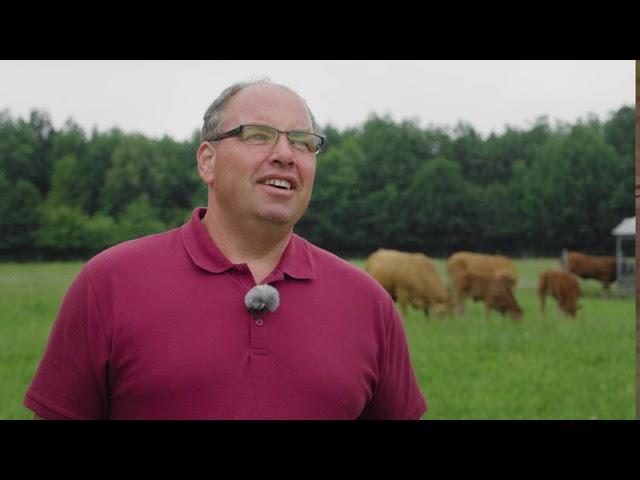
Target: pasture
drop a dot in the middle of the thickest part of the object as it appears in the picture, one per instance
(551, 367)
(469, 367)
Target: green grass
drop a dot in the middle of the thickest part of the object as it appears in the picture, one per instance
(468, 367)
(544, 367)
(30, 295)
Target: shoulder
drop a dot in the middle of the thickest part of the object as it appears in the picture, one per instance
(137, 253)
(331, 267)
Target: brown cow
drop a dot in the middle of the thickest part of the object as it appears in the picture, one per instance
(410, 278)
(563, 287)
(489, 265)
(495, 291)
(601, 268)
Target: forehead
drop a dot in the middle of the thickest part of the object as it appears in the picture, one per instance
(268, 104)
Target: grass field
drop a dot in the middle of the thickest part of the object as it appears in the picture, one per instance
(544, 367)
(30, 295)
(469, 367)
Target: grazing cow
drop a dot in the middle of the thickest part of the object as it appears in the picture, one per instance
(495, 291)
(410, 278)
(563, 287)
(489, 265)
(601, 268)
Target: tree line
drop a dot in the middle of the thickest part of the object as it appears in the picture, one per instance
(66, 193)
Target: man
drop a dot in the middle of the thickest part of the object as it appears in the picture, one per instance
(157, 327)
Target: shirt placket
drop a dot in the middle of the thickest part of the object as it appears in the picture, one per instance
(259, 337)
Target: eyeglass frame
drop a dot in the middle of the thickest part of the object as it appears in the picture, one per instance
(234, 132)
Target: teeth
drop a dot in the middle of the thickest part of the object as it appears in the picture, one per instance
(278, 183)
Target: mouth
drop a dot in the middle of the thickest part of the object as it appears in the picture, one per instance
(278, 183)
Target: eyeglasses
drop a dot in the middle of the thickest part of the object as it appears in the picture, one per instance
(265, 135)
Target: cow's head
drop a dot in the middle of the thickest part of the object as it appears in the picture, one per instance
(443, 309)
(501, 298)
(571, 307)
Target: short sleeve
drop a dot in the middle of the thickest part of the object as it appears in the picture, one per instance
(71, 379)
(398, 396)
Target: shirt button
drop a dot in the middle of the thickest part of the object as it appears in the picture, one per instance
(240, 269)
(259, 322)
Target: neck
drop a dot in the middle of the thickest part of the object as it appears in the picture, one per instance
(259, 245)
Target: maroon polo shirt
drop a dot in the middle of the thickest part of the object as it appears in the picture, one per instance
(156, 328)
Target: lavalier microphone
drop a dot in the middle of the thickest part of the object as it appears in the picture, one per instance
(262, 298)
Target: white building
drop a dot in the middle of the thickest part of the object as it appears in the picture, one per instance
(625, 234)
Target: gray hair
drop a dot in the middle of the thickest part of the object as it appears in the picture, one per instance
(213, 115)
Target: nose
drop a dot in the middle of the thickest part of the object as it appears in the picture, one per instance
(282, 152)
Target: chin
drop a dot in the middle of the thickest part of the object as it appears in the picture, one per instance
(278, 218)
(279, 213)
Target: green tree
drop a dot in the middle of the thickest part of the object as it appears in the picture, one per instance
(65, 231)
(19, 203)
(332, 220)
(441, 215)
(393, 152)
(497, 225)
(177, 181)
(499, 153)
(135, 169)
(62, 229)
(17, 148)
(41, 161)
(67, 185)
(139, 219)
(333, 137)
(466, 149)
(571, 195)
(381, 183)
(94, 165)
(70, 140)
(619, 132)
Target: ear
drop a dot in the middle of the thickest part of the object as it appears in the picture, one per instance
(206, 156)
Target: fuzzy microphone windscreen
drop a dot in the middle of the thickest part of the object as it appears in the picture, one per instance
(262, 298)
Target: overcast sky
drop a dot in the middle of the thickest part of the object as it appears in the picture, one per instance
(170, 97)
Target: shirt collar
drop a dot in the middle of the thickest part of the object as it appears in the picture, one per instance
(199, 245)
(296, 262)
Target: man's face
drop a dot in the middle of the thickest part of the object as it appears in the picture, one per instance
(240, 173)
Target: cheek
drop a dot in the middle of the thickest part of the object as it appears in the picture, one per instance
(308, 173)
(231, 175)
